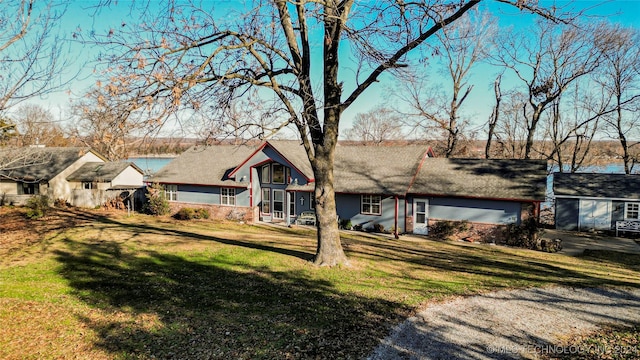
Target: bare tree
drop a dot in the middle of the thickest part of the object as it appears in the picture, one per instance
(571, 127)
(620, 81)
(106, 124)
(238, 122)
(37, 126)
(510, 127)
(184, 58)
(495, 117)
(376, 126)
(435, 110)
(31, 61)
(547, 60)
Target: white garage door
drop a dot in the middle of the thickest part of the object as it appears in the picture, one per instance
(595, 215)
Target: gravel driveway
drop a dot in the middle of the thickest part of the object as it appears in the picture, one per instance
(507, 324)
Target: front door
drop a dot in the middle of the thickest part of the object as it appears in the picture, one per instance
(420, 217)
(595, 215)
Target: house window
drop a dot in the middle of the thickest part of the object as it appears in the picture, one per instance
(278, 174)
(278, 204)
(292, 204)
(312, 202)
(87, 185)
(632, 211)
(370, 204)
(30, 189)
(266, 201)
(228, 196)
(171, 192)
(266, 174)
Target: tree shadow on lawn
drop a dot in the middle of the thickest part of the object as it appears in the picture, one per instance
(139, 228)
(203, 309)
(503, 268)
(629, 261)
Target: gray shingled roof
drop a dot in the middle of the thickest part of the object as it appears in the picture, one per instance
(204, 165)
(295, 153)
(359, 169)
(376, 169)
(96, 171)
(38, 164)
(615, 186)
(481, 178)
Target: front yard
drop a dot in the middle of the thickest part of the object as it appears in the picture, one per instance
(104, 285)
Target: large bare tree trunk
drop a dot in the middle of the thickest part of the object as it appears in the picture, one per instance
(329, 251)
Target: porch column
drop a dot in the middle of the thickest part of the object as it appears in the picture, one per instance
(287, 199)
(395, 229)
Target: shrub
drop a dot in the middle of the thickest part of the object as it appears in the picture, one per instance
(61, 203)
(37, 206)
(345, 224)
(524, 235)
(190, 214)
(379, 228)
(392, 230)
(157, 203)
(446, 229)
(185, 214)
(202, 213)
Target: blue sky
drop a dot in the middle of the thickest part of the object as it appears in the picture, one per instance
(479, 104)
(80, 16)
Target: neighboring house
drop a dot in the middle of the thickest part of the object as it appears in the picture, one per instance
(96, 183)
(58, 173)
(395, 187)
(587, 202)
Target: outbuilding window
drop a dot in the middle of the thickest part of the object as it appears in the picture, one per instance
(370, 205)
(632, 211)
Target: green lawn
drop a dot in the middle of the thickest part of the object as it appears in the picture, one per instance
(141, 287)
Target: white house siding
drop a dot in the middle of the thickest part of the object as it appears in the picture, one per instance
(129, 176)
(9, 188)
(59, 187)
(90, 198)
(9, 193)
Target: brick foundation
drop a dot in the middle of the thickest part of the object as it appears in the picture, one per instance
(219, 212)
(476, 232)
